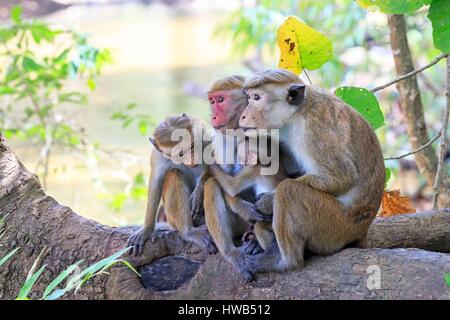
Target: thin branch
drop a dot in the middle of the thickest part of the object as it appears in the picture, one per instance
(416, 150)
(307, 76)
(410, 74)
(440, 172)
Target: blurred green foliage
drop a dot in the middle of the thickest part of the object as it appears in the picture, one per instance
(39, 63)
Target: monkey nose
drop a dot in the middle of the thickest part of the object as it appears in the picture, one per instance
(214, 118)
(243, 117)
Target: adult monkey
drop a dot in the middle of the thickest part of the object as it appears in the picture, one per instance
(226, 215)
(335, 200)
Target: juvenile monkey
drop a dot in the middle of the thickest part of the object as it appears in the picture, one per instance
(335, 200)
(177, 185)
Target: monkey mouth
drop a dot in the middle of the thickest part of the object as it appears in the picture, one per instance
(245, 129)
(219, 127)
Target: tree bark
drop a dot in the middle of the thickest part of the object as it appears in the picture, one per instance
(411, 102)
(34, 220)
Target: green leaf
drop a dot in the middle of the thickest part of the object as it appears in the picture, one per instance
(6, 90)
(118, 201)
(84, 275)
(439, 14)
(30, 65)
(143, 127)
(447, 279)
(16, 12)
(60, 278)
(394, 6)
(8, 256)
(91, 84)
(302, 47)
(364, 102)
(7, 34)
(57, 293)
(41, 31)
(26, 288)
(388, 177)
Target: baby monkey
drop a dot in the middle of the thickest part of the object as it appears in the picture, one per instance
(177, 179)
(263, 158)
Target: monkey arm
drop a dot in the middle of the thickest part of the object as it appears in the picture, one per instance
(246, 210)
(233, 185)
(159, 167)
(327, 183)
(197, 195)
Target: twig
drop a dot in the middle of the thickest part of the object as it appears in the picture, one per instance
(409, 74)
(306, 74)
(416, 150)
(440, 172)
(37, 262)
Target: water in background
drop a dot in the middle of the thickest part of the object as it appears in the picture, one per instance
(157, 51)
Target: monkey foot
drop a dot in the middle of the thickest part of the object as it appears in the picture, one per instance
(269, 260)
(137, 241)
(251, 245)
(237, 259)
(201, 236)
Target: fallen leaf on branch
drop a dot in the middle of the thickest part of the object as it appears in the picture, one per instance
(394, 203)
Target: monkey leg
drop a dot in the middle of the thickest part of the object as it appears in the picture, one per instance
(224, 226)
(304, 216)
(264, 234)
(175, 198)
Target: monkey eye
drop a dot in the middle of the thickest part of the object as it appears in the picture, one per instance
(256, 97)
(181, 154)
(219, 99)
(211, 101)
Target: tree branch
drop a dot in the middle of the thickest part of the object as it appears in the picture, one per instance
(416, 150)
(410, 74)
(440, 181)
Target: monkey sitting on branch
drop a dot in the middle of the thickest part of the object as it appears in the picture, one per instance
(177, 178)
(228, 216)
(335, 200)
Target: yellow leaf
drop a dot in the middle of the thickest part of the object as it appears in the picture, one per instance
(302, 47)
(393, 204)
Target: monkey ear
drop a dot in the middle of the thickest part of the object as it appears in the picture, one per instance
(296, 94)
(155, 144)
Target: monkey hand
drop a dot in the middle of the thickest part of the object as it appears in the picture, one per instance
(264, 203)
(196, 201)
(249, 213)
(137, 241)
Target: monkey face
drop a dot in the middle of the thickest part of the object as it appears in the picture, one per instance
(271, 106)
(183, 152)
(226, 107)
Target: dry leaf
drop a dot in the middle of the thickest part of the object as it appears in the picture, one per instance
(394, 203)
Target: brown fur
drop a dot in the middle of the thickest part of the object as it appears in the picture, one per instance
(226, 215)
(175, 185)
(228, 83)
(338, 196)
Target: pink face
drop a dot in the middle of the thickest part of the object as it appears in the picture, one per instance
(221, 106)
